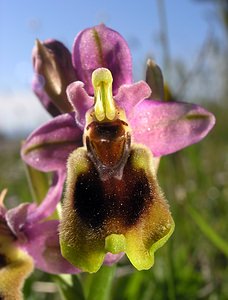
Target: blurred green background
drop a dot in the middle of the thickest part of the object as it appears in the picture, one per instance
(193, 263)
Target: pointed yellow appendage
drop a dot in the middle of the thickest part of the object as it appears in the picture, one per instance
(115, 243)
(104, 107)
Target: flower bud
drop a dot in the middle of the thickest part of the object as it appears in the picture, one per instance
(53, 73)
(154, 79)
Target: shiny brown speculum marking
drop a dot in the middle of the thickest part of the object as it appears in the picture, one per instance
(108, 145)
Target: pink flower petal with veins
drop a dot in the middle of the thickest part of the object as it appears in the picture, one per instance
(98, 47)
(166, 127)
(48, 147)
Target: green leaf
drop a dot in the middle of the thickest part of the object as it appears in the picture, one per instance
(69, 286)
(208, 231)
(101, 283)
(38, 183)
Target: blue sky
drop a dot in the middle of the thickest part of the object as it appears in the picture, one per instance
(22, 21)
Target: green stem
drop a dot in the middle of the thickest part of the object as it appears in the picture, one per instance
(38, 183)
(101, 283)
(70, 287)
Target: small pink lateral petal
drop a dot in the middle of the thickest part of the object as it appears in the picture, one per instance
(80, 100)
(131, 94)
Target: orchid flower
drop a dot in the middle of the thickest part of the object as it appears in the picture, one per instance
(108, 143)
(28, 240)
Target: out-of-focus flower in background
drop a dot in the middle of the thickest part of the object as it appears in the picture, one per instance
(27, 240)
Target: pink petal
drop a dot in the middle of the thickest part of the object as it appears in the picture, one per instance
(2, 212)
(111, 259)
(43, 245)
(17, 217)
(53, 197)
(166, 127)
(130, 95)
(98, 47)
(80, 100)
(48, 147)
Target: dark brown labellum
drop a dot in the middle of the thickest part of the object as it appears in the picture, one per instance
(120, 200)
